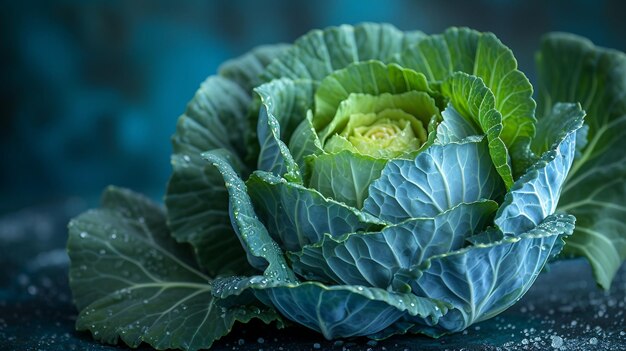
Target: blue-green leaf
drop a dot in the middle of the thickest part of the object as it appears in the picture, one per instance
(262, 250)
(488, 236)
(339, 310)
(274, 155)
(305, 142)
(132, 282)
(535, 195)
(572, 69)
(483, 280)
(297, 216)
(285, 104)
(439, 178)
(454, 127)
(321, 52)
(372, 259)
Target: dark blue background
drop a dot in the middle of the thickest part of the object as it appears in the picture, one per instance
(91, 90)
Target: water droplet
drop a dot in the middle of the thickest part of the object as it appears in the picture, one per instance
(557, 341)
(593, 341)
(83, 235)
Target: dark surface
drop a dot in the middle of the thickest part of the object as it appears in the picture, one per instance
(563, 311)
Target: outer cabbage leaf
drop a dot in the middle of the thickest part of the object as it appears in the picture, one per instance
(297, 216)
(132, 281)
(439, 178)
(285, 104)
(196, 200)
(572, 69)
(321, 52)
(535, 195)
(372, 259)
(483, 280)
(336, 311)
(262, 251)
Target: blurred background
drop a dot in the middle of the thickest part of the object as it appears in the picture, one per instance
(91, 90)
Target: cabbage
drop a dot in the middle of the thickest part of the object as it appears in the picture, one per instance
(364, 181)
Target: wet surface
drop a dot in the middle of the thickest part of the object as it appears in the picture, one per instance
(564, 310)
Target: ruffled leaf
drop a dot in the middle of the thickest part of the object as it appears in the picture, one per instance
(262, 250)
(340, 310)
(439, 178)
(535, 195)
(483, 280)
(372, 259)
(484, 56)
(285, 104)
(321, 52)
(454, 127)
(297, 216)
(370, 77)
(474, 101)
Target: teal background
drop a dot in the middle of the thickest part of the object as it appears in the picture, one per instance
(91, 90)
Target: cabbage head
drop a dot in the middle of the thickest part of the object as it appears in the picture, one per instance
(364, 181)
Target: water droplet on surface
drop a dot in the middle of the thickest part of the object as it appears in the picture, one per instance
(83, 235)
(593, 341)
(557, 341)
